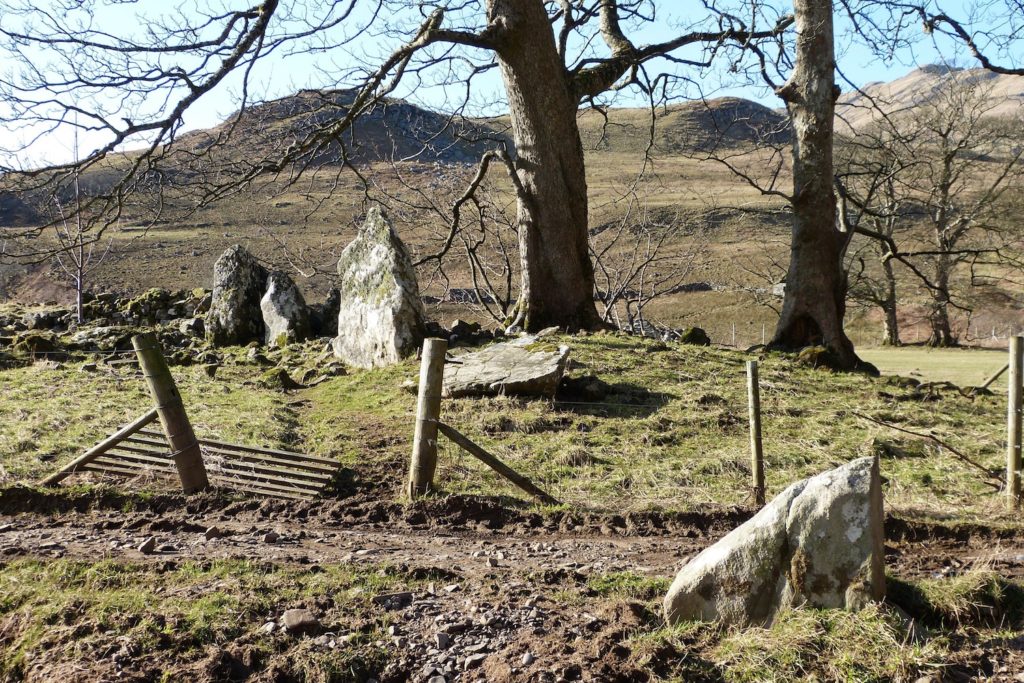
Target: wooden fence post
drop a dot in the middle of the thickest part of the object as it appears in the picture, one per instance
(188, 457)
(428, 411)
(1013, 421)
(756, 454)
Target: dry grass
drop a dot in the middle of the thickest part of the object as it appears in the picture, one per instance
(671, 435)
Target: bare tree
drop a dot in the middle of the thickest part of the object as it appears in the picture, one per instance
(76, 255)
(868, 164)
(933, 194)
(640, 258)
(815, 300)
(991, 30)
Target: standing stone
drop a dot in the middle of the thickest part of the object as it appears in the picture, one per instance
(818, 543)
(380, 315)
(285, 315)
(238, 284)
(323, 318)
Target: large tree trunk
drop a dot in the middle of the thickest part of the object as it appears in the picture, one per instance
(891, 325)
(815, 299)
(938, 313)
(557, 275)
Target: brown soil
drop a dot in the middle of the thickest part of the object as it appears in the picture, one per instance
(508, 565)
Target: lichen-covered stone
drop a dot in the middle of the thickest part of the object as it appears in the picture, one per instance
(695, 336)
(35, 344)
(818, 543)
(104, 338)
(235, 316)
(380, 315)
(523, 367)
(45, 319)
(285, 315)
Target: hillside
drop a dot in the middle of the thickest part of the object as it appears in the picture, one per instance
(738, 257)
(392, 130)
(684, 128)
(1003, 95)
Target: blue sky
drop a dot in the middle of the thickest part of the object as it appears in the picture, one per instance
(282, 75)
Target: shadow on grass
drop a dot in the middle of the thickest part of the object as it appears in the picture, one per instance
(622, 400)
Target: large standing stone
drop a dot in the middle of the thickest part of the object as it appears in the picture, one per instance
(524, 367)
(285, 315)
(380, 315)
(818, 543)
(238, 284)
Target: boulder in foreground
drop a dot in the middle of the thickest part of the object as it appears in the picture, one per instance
(516, 367)
(819, 543)
(380, 315)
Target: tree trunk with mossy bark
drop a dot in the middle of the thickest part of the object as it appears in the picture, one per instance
(557, 285)
(938, 313)
(891, 325)
(816, 283)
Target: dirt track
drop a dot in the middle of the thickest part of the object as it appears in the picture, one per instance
(486, 549)
(449, 531)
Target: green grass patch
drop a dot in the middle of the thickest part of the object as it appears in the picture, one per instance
(978, 598)
(630, 585)
(51, 611)
(835, 645)
(671, 434)
(963, 367)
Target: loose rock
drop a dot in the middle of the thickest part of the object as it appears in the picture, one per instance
(521, 367)
(300, 621)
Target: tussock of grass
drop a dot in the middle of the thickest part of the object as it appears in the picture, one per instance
(980, 597)
(630, 585)
(835, 645)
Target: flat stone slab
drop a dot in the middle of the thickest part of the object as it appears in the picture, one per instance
(523, 367)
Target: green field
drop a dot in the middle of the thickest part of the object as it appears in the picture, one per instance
(963, 367)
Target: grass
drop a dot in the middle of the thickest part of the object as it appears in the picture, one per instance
(963, 367)
(57, 413)
(980, 597)
(836, 645)
(73, 610)
(55, 613)
(629, 585)
(672, 435)
(876, 644)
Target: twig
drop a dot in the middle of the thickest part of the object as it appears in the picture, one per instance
(942, 444)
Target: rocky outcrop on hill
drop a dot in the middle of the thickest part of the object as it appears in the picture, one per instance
(380, 318)
(686, 127)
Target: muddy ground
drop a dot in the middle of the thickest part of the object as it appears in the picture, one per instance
(495, 608)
